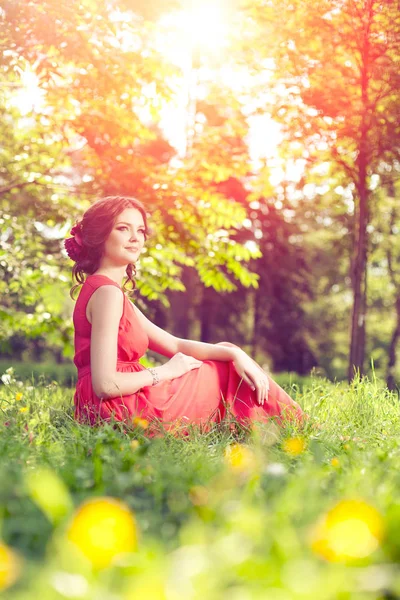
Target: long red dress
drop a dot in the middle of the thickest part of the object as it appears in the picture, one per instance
(210, 393)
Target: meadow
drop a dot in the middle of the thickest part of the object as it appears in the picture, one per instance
(280, 513)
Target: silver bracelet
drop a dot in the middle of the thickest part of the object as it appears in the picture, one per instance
(156, 378)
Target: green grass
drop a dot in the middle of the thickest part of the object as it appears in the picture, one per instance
(206, 530)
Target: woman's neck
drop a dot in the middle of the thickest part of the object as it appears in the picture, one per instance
(116, 276)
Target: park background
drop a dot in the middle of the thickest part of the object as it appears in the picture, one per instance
(262, 137)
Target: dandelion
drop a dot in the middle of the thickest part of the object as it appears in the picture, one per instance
(239, 457)
(294, 446)
(10, 566)
(143, 423)
(18, 396)
(23, 409)
(350, 530)
(335, 462)
(102, 529)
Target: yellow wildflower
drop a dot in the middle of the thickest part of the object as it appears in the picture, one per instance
(294, 446)
(335, 462)
(143, 423)
(18, 396)
(23, 409)
(239, 457)
(10, 566)
(102, 529)
(350, 530)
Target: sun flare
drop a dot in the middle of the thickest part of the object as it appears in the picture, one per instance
(202, 28)
(30, 96)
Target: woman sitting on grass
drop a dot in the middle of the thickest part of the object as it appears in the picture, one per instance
(200, 384)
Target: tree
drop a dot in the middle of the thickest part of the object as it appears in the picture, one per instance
(89, 138)
(336, 94)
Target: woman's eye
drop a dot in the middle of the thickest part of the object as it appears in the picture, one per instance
(123, 227)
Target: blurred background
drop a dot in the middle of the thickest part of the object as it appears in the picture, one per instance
(263, 137)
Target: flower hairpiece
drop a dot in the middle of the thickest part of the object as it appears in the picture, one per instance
(74, 244)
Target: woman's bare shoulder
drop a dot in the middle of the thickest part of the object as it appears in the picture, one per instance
(107, 300)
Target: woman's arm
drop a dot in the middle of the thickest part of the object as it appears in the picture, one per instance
(107, 382)
(204, 351)
(167, 344)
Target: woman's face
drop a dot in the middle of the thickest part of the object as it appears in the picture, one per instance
(126, 240)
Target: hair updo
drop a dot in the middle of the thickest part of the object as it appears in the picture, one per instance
(94, 228)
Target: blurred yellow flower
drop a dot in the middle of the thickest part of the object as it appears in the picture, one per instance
(335, 462)
(135, 444)
(10, 566)
(239, 457)
(103, 528)
(18, 396)
(143, 423)
(350, 530)
(23, 409)
(294, 446)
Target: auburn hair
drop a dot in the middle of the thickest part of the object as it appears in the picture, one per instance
(95, 226)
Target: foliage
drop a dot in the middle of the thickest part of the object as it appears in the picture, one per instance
(87, 135)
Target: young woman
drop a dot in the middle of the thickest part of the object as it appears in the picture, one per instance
(200, 384)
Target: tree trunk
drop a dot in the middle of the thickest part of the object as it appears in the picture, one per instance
(182, 305)
(357, 343)
(256, 321)
(390, 379)
(206, 314)
(359, 270)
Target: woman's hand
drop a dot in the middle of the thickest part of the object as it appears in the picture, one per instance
(180, 364)
(252, 374)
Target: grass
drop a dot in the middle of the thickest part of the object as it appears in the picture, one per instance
(217, 514)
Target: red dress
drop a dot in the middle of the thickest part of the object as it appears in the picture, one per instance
(201, 396)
